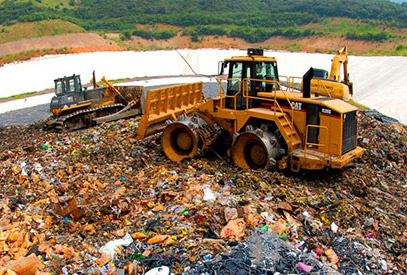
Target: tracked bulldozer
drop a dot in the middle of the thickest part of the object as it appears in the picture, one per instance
(74, 107)
(262, 124)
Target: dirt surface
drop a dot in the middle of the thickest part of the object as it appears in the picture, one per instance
(91, 42)
(84, 42)
(312, 44)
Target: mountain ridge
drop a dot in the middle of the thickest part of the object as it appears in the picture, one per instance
(144, 25)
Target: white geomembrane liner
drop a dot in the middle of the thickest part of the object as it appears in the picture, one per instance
(379, 82)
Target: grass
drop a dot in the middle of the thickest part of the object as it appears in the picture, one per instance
(53, 3)
(360, 106)
(148, 48)
(19, 96)
(342, 26)
(27, 55)
(37, 29)
(119, 80)
(49, 3)
(158, 27)
(399, 50)
(292, 47)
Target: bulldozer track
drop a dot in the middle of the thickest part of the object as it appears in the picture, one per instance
(59, 123)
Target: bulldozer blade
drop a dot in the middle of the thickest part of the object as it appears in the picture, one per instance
(116, 116)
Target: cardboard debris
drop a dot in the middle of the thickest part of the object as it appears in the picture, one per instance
(64, 196)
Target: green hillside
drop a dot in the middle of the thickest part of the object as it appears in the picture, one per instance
(252, 20)
(37, 29)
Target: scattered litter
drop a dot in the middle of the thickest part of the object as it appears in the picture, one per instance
(99, 202)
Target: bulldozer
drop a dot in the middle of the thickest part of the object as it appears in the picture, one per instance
(262, 124)
(74, 107)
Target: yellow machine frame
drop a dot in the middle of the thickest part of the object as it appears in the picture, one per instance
(164, 106)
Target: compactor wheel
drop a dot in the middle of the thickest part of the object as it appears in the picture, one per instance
(179, 142)
(250, 151)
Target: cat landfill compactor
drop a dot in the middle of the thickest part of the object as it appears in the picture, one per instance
(74, 107)
(262, 124)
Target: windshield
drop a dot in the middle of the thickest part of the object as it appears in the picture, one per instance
(71, 85)
(266, 70)
(234, 83)
(58, 87)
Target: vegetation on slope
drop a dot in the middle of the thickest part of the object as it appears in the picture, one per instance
(37, 29)
(252, 20)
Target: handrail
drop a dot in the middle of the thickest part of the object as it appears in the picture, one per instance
(286, 79)
(276, 104)
(291, 81)
(223, 94)
(245, 94)
(245, 88)
(316, 144)
(322, 86)
(291, 84)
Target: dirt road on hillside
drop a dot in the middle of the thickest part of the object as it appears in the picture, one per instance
(91, 42)
(71, 40)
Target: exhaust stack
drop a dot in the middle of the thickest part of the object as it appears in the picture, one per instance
(306, 83)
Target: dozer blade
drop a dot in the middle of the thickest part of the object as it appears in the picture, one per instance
(131, 110)
(167, 103)
(130, 95)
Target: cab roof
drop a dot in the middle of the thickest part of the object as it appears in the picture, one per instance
(251, 58)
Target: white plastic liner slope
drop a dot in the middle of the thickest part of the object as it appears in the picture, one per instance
(379, 82)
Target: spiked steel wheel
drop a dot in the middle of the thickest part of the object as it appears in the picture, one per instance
(179, 141)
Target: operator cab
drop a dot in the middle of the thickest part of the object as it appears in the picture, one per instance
(68, 85)
(321, 73)
(248, 75)
(68, 92)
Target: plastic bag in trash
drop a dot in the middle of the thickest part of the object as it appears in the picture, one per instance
(162, 270)
(111, 246)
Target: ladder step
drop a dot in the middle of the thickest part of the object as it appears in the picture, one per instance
(295, 142)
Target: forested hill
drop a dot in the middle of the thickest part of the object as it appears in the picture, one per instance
(253, 20)
(274, 12)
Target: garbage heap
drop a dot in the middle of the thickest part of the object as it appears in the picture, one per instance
(99, 202)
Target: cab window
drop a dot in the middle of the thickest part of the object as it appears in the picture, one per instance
(265, 71)
(71, 86)
(58, 88)
(78, 83)
(237, 71)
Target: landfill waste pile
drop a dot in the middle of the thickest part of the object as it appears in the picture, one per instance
(382, 118)
(262, 253)
(99, 202)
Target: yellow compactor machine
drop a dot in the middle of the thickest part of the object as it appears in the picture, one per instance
(262, 124)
